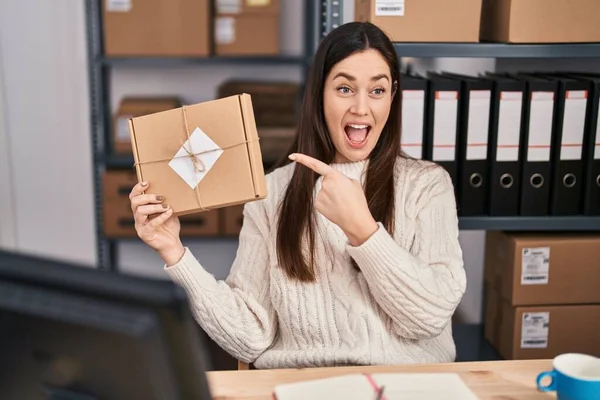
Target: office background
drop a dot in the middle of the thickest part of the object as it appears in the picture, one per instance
(47, 185)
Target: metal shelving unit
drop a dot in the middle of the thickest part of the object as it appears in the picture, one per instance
(320, 19)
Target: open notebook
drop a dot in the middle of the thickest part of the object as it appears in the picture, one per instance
(397, 386)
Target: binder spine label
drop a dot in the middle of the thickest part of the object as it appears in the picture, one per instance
(540, 126)
(571, 146)
(413, 114)
(387, 8)
(509, 126)
(478, 125)
(597, 138)
(535, 266)
(444, 125)
(534, 330)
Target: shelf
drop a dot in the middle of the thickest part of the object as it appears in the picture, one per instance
(518, 223)
(498, 50)
(121, 161)
(186, 61)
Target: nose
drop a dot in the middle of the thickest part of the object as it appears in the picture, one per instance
(360, 105)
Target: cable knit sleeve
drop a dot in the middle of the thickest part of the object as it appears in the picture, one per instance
(236, 313)
(421, 288)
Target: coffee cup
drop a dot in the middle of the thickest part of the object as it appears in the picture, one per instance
(573, 377)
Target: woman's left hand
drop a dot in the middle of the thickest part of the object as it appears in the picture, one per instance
(341, 200)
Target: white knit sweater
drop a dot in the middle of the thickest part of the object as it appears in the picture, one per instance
(396, 310)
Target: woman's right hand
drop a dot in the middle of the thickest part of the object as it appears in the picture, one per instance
(161, 232)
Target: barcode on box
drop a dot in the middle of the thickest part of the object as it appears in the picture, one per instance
(389, 8)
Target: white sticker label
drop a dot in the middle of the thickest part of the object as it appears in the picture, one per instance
(509, 126)
(534, 330)
(389, 8)
(540, 126)
(535, 266)
(597, 138)
(573, 125)
(195, 158)
(413, 112)
(225, 30)
(229, 6)
(479, 124)
(118, 5)
(444, 126)
(122, 134)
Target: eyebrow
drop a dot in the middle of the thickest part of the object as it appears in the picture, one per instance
(351, 78)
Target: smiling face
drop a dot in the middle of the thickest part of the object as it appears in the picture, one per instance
(357, 99)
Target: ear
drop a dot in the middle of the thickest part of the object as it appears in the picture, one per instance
(394, 88)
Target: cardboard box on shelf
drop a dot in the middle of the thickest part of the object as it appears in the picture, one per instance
(200, 157)
(131, 107)
(274, 96)
(245, 7)
(544, 268)
(232, 219)
(157, 28)
(118, 216)
(541, 332)
(423, 20)
(247, 35)
(540, 21)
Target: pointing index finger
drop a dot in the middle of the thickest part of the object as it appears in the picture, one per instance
(316, 165)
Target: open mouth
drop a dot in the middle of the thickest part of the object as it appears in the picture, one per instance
(357, 133)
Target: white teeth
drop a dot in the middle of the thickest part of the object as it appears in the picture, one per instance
(358, 126)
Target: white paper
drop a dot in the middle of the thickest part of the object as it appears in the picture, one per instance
(398, 386)
(122, 128)
(204, 150)
(225, 30)
(573, 125)
(597, 140)
(535, 266)
(413, 113)
(229, 6)
(444, 125)
(540, 126)
(534, 331)
(509, 126)
(388, 8)
(478, 125)
(118, 5)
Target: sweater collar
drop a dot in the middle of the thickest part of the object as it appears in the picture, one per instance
(352, 170)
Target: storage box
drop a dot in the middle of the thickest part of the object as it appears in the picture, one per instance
(245, 7)
(131, 107)
(423, 20)
(157, 27)
(541, 332)
(247, 35)
(232, 219)
(118, 216)
(540, 21)
(202, 156)
(543, 269)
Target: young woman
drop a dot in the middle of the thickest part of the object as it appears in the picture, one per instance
(353, 258)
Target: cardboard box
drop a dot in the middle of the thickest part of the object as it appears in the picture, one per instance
(245, 7)
(423, 20)
(540, 21)
(541, 332)
(543, 269)
(203, 156)
(247, 35)
(118, 217)
(232, 219)
(131, 107)
(157, 27)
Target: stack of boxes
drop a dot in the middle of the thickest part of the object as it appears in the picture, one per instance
(542, 296)
(511, 21)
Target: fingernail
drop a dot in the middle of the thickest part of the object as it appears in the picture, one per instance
(292, 157)
(165, 206)
(169, 211)
(160, 198)
(144, 183)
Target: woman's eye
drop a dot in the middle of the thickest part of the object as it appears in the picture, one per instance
(344, 89)
(378, 92)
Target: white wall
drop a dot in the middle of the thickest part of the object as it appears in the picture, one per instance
(46, 117)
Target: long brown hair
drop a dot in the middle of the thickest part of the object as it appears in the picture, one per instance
(297, 217)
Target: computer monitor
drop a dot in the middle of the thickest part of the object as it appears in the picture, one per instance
(71, 332)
